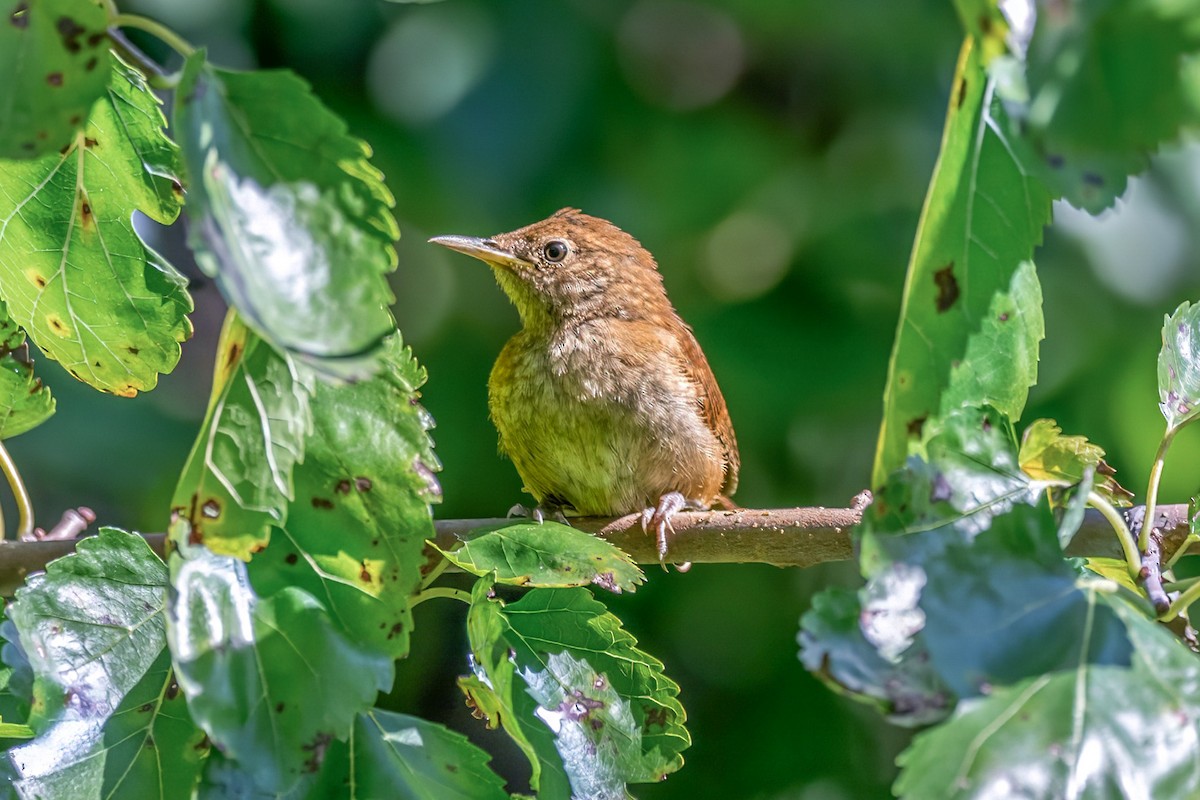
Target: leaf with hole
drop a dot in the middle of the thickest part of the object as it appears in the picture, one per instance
(547, 554)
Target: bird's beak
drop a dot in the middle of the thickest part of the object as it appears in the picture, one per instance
(485, 250)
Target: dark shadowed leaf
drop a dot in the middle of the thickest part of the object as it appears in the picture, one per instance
(982, 219)
(238, 478)
(271, 680)
(512, 645)
(355, 536)
(1179, 366)
(902, 686)
(73, 271)
(109, 719)
(55, 61)
(289, 215)
(1089, 731)
(547, 554)
(24, 402)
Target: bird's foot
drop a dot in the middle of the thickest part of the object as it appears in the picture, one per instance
(658, 519)
(538, 513)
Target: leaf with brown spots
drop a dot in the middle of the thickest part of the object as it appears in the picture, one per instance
(54, 70)
(983, 217)
(1179, 366)
(356, 534)
(73, 271)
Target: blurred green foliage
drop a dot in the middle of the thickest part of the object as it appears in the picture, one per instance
(773, 156)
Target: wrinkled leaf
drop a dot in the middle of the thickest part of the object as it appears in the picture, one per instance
(1091, 731)
(55, 61)
(16, 676)
(594, 730)
(106, 711)
(290, 216)
(238, 479)
(982, 219)
(547, 554)
(904, 688)
(1047, 455)
(24, 402)
(271, 680)
(509, 640)
(73, 271)
(356, 534)
(1179, 366)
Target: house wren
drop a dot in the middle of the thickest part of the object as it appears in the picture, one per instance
(603, 400)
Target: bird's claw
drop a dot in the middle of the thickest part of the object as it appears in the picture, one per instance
(658, 519)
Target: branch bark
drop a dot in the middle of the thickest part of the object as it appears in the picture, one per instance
(785, 537)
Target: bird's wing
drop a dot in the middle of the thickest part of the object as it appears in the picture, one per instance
(712, 404)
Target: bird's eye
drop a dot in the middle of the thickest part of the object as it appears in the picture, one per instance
(555, 250)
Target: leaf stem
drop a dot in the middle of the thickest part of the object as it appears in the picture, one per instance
(20, 494)
(1189, 596)
(1152, 488)
(1181, 551)
(1133, 558)
(155, 29)
(1181, 585)
(440, 591)
(436, 572)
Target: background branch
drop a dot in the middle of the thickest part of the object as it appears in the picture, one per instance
(784, 537)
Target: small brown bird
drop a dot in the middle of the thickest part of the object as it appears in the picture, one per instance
(604, 400)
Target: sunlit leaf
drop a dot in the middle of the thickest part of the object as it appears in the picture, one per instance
(1089, 731)
(1001, 358)
(24, 402)
(271, 680)
(547, 554)
(73, 271)
(1179, 366)
(513, 642)
(355, 536)
(903, 687)
(106, 710)
(983, 217)
(289, 215)
(55, 61)
(1047, 455)
(238, 479)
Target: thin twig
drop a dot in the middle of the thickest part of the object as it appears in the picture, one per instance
(789, 537)
(1150, 575)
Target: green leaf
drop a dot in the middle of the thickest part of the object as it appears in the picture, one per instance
(512, 645)
(1047, 455)
(24, 402)
(356, 534)
(1091, 731)
(106, 710)
(16, 676)
(547, 554)
(982, 219)
(13, 730)
(73, 271)
(238, 479)
(903, 687)
(595, 733)
(1106, 75)
(1179, 366)
(271, 680)
(290, 216)
(54, 56)
(1001, 358)
(997, 602)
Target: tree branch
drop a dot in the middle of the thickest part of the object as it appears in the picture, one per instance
(785, 537)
